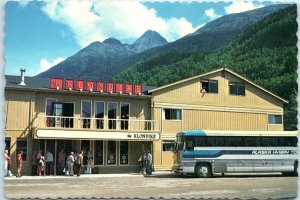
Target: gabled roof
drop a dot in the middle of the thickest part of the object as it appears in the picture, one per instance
(215, 71)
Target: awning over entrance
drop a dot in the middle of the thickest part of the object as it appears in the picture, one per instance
(74, 134)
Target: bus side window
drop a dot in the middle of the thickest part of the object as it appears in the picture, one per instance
(250, 141)
(199, 141)
(210, 141)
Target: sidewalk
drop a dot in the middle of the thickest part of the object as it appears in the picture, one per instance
(86, 176)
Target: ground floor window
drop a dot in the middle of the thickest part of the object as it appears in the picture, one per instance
(85, 147)
(7, 144)
(111, 152)
(98, 152)
(22, 146)
(168, 145)
(123, 152)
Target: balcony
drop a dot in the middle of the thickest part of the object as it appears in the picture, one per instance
(95, 124)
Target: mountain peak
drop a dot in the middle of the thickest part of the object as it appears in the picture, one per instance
(112, 41)
(149, 39)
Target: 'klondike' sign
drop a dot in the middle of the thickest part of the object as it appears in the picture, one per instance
(98, 86)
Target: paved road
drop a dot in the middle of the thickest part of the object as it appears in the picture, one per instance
(159, 185)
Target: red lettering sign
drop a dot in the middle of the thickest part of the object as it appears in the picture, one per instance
(100, 87)
(56, 83)
(109, 87)
(90, 86)
(128, 89)
(138, 89)
(79, 85)
(119, 88)
(69, 85)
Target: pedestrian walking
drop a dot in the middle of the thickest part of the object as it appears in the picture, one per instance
(8, 165)
(40, 159)
(49, 163)
(19, 164)
(70, 164)
(79, 162)
(148, 163)
(6, 162)
(142, 162)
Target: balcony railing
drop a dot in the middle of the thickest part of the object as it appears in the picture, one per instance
(62, 122)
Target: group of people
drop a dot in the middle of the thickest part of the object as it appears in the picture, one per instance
(7, 163)
(66, 165)
(146, 163)
(72, 165)
(42, 164)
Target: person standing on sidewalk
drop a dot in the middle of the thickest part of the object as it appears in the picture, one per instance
(79, 162)
(49, 162)
(148, 163)
(70, 164)
(19, 164)
(40, 159)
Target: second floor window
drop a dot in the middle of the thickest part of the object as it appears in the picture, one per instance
(209, 86)
(172, 114)
(275, 119)
(112, 115)
(86, 111)
(236, 88)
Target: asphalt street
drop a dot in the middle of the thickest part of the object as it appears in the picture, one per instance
(159, 185)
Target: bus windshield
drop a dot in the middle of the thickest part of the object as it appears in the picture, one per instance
(184, 143)
(178, 144)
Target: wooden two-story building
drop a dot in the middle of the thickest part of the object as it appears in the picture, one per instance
(116, 122)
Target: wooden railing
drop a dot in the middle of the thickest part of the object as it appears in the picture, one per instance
(62, 122)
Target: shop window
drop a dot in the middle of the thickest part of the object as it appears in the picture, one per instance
(22, 146)
(85, 147)
(123, 152)
(99, 115)
(112, 115)
(275, 119)
(98, 152)
(86, 113)
(209, 86)
(236, 88)
(7, 144)
(111, 152)
(168, 145)
(172, 114)
(124, 116)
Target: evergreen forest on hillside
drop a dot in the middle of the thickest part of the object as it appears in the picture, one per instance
(265, 53)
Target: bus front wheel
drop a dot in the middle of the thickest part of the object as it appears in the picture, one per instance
(203, 170)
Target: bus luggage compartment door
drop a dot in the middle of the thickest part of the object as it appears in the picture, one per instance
(243, 166)
(263, 166)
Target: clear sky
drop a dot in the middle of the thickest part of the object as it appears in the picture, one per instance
(40, 34)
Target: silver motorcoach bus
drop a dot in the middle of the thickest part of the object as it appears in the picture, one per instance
(206, 152)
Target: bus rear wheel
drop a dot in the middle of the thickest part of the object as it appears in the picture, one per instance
(203, 170)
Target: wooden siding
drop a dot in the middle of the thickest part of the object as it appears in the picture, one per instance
(188, 93)
(215, 120)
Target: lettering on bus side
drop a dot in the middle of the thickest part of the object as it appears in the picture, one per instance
(273, 152)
